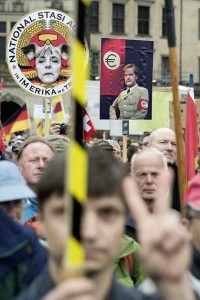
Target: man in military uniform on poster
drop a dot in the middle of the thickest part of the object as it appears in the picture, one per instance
(132, 102)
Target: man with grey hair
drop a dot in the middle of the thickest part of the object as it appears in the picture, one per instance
(164, 139)
(147, 168)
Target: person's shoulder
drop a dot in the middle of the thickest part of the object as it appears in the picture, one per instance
(143, 89)
(122, 93)
(39, 287)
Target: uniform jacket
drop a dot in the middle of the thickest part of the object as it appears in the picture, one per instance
(132, 106)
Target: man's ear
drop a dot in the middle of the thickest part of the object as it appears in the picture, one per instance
(186, 223)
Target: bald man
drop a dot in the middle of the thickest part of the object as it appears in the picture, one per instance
(164, 139)
(147, 169)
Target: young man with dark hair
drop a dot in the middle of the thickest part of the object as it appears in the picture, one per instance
(110, 192)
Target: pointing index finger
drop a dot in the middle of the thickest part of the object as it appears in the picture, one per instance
(163, 198)
(134, 201)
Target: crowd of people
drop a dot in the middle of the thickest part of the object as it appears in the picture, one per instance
(137, 244)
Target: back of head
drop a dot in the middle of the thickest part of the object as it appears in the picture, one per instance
(104, 145)
(105, 175)
(132, 149)
(60, 142)
(16, 146)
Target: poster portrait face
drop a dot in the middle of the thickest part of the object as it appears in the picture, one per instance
(38, 52)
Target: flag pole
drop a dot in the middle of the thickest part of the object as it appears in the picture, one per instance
(125, 133)
(47, 112)
(176, 102)
(77, 160)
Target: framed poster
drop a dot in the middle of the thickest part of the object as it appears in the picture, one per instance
(126, 79)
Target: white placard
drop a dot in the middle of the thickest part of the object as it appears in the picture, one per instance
(38, 112)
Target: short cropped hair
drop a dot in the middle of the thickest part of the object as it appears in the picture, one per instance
(105, 175)
(33, 139)
(136, 69)
(149, 150)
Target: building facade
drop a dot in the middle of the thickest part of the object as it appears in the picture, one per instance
(129, 19)
(146, 20)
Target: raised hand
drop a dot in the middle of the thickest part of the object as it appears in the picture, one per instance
(76, 288)
(164, 241)
(54, 128)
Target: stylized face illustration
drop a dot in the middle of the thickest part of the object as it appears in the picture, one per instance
(48, 65)
(48, 60)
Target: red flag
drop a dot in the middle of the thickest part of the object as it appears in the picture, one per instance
(191, 137)
(88, 127)
(2, 147)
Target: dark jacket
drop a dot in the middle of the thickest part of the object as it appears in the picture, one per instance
(175, 192)
(22, 257)
(2, 155)
(195, 267)
(44, 284)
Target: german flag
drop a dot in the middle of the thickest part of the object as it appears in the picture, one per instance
(19, 121)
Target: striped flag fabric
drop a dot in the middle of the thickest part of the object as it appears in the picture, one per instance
(88, 127)
(2, 146)
(40, 130)
(191, 134)
(19, 121)
(58, 112)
